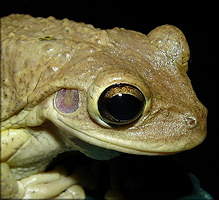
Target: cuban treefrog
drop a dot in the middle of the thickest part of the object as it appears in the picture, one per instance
(70, 86)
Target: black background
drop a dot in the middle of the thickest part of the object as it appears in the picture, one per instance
(198, 21)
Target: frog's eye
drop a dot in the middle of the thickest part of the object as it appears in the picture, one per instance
(121, 104)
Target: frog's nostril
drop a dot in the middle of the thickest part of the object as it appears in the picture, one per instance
(191, 122)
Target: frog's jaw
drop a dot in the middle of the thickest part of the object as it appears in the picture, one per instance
(152, 146)
(166, 133)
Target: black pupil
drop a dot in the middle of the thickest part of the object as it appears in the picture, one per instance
(124, 107)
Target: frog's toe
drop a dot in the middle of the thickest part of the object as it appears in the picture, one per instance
(74, 192)
(47, 184)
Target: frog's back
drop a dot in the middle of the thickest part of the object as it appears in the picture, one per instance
(32, 51)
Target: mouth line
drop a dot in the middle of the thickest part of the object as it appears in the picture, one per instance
(111, 146)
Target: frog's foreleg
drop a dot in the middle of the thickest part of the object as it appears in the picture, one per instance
(51, 184)
(11, 141)
(9, 187)
(27, 151)
(40, 186)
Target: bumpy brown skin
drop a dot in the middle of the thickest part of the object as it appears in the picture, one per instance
(41, 56)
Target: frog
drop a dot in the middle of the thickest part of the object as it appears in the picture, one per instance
(68, 86)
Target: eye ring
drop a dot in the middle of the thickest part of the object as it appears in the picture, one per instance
(121, 104)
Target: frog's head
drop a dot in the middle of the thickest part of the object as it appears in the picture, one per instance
(134, 96)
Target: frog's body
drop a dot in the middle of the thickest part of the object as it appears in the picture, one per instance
(54, 74)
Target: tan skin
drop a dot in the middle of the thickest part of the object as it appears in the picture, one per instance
(58, 77)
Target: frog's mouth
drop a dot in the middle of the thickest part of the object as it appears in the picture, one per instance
(87, 143)
(152, 139)
(97, 148)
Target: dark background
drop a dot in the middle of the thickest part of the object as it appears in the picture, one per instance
(198, 21)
